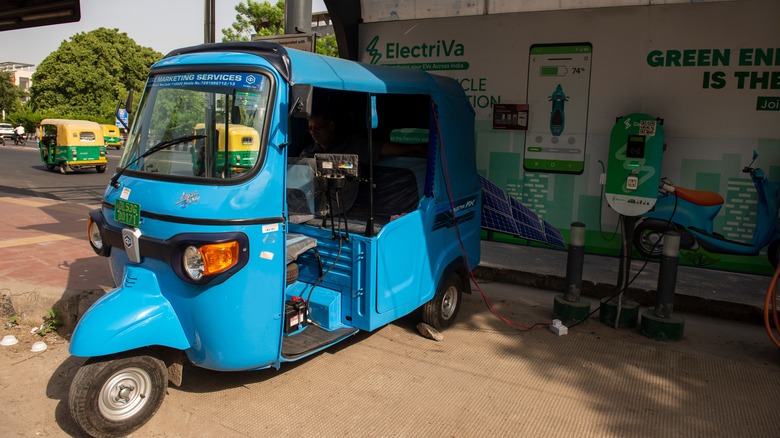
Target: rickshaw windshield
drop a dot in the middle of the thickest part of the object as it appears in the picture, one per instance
(212, 122)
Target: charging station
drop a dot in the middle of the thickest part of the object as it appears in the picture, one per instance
(636, 147)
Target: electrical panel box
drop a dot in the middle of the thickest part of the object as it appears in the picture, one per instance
(634, 171)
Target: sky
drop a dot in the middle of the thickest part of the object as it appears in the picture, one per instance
(163, 25)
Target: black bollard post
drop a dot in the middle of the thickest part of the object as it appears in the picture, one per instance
(575, 262)
(667, 275)
(660, 322)
(567, 307)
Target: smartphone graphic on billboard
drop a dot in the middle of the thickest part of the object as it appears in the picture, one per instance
(558, 93)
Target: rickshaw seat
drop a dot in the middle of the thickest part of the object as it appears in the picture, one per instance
(298, 244)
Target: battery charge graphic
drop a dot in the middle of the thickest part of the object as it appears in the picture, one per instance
(553, 70)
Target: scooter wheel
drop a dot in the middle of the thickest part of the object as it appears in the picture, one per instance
(440, 312)
(648, 239)
(114, 395)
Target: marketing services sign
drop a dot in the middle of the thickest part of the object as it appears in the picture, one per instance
(243, 81)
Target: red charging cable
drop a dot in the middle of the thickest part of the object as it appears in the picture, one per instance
(460, 242)
(770, 302)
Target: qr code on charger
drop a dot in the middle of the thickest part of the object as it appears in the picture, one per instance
(647, 127)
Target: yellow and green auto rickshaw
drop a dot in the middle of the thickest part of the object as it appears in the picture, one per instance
(111, 136)
(243, 146)
(72, 144)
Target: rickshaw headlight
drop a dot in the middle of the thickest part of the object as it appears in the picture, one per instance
(193, 263)
(93, 232)
(210, 259)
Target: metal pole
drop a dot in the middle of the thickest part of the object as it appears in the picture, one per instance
(209, 22)
(297, 16)
(575, 262)
(667, 275)
(627, 230)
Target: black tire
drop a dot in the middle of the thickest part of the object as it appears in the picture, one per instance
(49, 167)
(441, 310)
(100, 169)
(113, 396)
(63, 168)
(292, 273)
(648, 238)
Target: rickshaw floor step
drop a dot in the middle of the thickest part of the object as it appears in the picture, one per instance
(311, 339)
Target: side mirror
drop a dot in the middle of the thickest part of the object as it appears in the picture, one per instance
(129, 101)
(301, 98)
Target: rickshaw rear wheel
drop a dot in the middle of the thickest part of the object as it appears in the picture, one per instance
(100, 169)
(49, 167)
(441, 310)
(63, 168)
(112, 396)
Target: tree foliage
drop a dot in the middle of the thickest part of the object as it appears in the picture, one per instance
(328, 46)
(255, 18)
(87, 75)
(10, 94)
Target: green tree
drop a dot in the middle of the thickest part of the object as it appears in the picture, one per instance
(327, 45)
(88, 74)
(255, 18)
(10, 94)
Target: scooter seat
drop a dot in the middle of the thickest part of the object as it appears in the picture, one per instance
(699, 197)
(298, 244)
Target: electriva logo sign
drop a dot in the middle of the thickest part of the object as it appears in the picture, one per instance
(395, 54)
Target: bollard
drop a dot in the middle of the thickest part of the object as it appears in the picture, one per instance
(574, 262)
(667, 275)
(567, 307)
(660, 322)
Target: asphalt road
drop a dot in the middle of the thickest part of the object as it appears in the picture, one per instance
(22, 173)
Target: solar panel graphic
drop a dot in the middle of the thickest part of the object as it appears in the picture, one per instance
(507, 215)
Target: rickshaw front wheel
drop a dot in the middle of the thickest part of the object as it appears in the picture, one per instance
(100, 169)
(63, 168)
(49, 167)
(114, 395)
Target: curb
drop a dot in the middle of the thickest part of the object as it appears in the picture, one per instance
(645, 297)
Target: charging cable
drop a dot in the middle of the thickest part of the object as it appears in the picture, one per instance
(489, 305)
(770, 305)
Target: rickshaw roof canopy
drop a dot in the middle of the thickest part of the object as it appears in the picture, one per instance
(72, 124)
(67, 126)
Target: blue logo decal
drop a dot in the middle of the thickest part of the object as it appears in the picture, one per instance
(188, 198)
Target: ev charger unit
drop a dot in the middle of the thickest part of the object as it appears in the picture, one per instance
(634, 171)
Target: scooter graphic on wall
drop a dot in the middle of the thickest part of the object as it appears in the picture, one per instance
(557, 115)
(694, 211)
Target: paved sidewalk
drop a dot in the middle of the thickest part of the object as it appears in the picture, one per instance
(45, 259)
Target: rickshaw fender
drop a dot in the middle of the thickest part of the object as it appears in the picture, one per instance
(134, 315)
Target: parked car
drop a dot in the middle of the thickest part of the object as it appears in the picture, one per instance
(7, 130)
